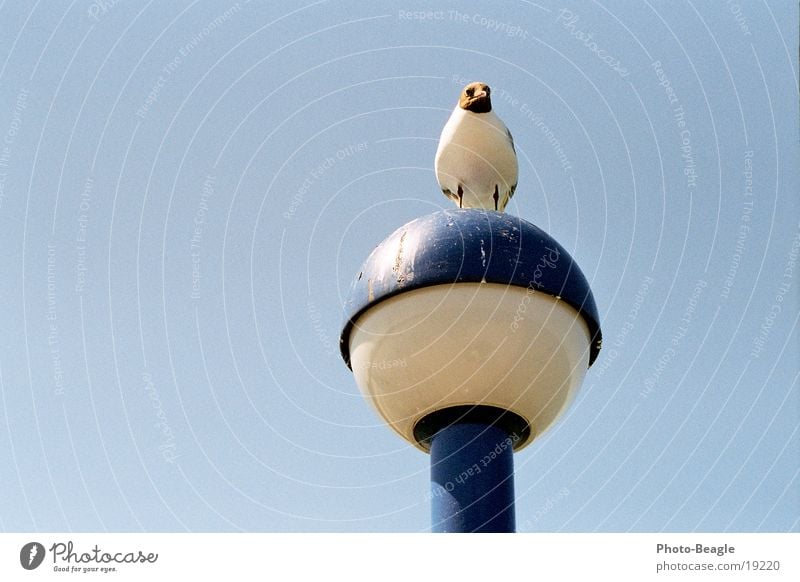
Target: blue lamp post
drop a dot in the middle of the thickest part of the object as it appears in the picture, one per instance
(470, 332)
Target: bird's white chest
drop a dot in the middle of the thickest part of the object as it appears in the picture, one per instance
(476, 153)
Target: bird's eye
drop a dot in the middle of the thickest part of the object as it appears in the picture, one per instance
(470, 92)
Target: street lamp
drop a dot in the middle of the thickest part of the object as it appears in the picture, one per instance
(470, 332)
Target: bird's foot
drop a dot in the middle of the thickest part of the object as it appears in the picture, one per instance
(460, 196)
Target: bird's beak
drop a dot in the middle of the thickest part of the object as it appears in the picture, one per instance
(480, 94)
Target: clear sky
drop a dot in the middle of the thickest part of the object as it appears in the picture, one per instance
(187, 191)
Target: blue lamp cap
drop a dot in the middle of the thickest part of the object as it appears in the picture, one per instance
(470, 246)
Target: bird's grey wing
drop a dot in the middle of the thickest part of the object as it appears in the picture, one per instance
(511, 139)
(514, 185)
(449, 193)
(512, 190)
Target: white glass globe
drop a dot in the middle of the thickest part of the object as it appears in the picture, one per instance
(469, 343)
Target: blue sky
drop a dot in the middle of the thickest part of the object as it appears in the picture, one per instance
(187, 191)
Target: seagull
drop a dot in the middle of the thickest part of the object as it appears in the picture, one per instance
(476, 163)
